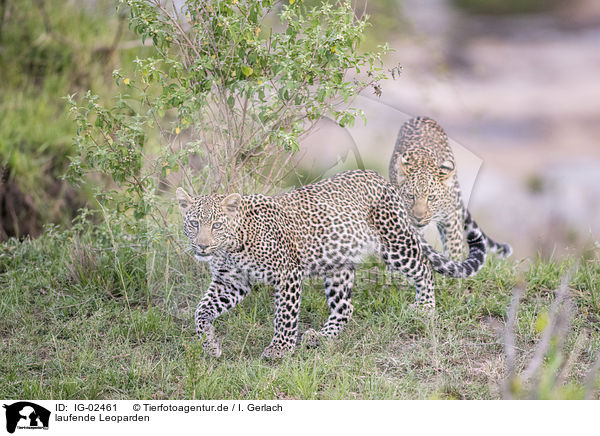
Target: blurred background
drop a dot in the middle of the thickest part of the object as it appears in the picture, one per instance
(514, 84)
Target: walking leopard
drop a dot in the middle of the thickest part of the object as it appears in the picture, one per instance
(424, 169)
(322, 229)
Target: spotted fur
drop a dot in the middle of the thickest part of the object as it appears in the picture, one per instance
(323, 229)
(423, 168)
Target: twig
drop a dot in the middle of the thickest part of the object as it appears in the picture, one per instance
(590, 380)
(245, 341)
(556, 325)
(509, 341)
(75, 305)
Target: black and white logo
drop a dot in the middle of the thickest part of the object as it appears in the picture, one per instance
(26, 415)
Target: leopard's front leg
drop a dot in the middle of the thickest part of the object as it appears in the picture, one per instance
(288, 294)
(453, 237)
(218, 299)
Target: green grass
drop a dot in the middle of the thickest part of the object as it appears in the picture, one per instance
(78, 322)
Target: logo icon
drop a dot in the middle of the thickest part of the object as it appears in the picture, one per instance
(26, 415)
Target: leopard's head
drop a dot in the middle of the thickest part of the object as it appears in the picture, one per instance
(425, 186)
(211, 222)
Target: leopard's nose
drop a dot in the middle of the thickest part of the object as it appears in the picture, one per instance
(420, 222)
(201, 247)
(419, 216)
(420, 209)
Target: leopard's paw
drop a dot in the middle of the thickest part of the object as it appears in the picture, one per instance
(276, 352)
(212, 347)
(422, 309)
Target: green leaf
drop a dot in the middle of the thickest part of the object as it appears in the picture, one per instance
(246, 70)
(541, 322)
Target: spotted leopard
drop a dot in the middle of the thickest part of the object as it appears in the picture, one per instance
(423, 167)
(323, 229)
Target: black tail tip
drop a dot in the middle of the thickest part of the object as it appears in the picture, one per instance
(503, 250)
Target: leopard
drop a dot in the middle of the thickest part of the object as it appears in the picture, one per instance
(423, 167)
(323, 230)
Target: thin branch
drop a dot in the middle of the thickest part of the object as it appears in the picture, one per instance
(556, 324)
(509, 341)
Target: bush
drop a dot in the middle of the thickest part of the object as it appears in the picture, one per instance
(224, 103)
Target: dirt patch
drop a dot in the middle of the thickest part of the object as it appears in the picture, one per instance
(18, 213)
(21, 215)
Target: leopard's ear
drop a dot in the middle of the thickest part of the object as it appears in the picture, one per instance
(446, 169)
(231, 204)
(184, 199)
(401, 167)
(397, 169)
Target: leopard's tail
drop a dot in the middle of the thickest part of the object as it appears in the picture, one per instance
(474, 261)
(502, 250)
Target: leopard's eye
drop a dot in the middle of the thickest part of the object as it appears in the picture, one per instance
(431, 197)
(194, 224)
(217, 225)
(410, 196)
